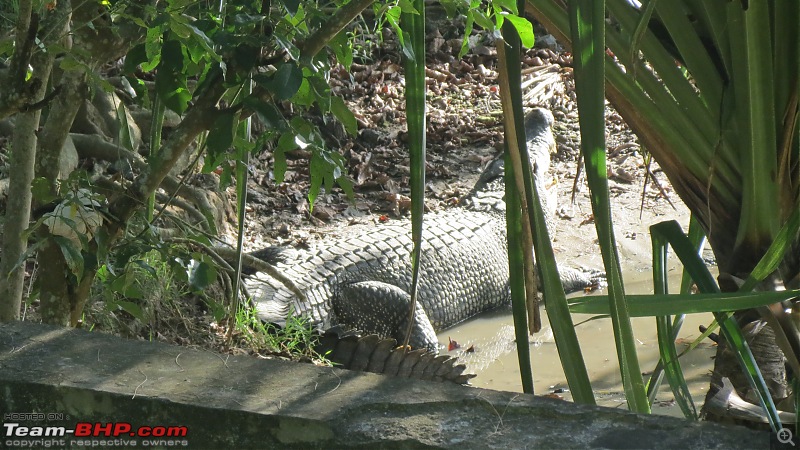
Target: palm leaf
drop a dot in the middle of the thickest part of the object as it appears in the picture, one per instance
(519, 236)
(587, 20)
(414, 25)
(671, 232)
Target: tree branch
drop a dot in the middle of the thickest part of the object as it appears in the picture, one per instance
(331, 28)
(200, 118)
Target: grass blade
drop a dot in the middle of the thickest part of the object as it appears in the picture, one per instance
(520, 256)
(671, 232)
(669, 363)
(662, 305)
(587, 20)
(414, 25)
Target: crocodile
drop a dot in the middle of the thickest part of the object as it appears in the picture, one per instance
(362, 280)
(348, 349)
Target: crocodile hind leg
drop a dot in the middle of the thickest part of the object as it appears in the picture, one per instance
(382, 309)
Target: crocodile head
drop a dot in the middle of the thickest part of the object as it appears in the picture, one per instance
(488, 193)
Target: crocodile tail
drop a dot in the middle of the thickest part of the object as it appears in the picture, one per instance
(275, 254)
(349, 350)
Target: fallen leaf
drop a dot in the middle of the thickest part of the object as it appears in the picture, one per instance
(452, 345)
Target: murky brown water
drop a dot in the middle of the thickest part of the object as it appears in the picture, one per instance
(495, 359)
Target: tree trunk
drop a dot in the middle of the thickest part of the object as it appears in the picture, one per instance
(770, 360)
(54, 296)
(23, 157)
(55, 290)
(18, 211)
(63, 297)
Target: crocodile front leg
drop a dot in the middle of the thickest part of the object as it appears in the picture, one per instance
(575, 280)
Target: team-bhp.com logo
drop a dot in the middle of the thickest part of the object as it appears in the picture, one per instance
(87, 433)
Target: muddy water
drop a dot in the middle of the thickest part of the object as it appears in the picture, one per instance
(495, 363)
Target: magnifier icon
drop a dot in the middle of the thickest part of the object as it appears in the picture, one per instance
(785, 436)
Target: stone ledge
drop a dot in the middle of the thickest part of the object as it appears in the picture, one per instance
(243, 402)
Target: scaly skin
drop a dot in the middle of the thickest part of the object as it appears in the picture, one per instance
(362, 280)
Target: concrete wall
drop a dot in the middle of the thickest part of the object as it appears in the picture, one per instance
(224, 401)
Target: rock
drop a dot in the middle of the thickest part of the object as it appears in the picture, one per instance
(74, 217)
(548, 41)
(68, 160)
(99, 116)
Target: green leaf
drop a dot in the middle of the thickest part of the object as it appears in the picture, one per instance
(517, 157)
(72, 255)
(243, 19)
(205, 42)
(170, 80)
(304, 96)
(71, 64)
(220, 137)
(152, 46)
(347, 186)
(672, 367)
(291, 6)
(669, 362)
(646, 13)
(285, 82)
(303, 127)
(342, 49)
(178, 25)
(217, 309)
(671, 232)
(136, 56)
(179, 4)
(405, 44)
(317, 176)
(416, 117)
(722, 123)
(671, 304)
(288, 45)
(776, 251)
(29, 252)
(406, 6)
(587, 26)
(131, 307)
(269, 115)
(279, 166)
(178, 269)
(40, 188)
(524, 28)
(467, 33)
(505, 6)
(241, 144)
(6, 46)
(482, 20)
(392, 16)
(143, 265)
(125, 131)
(321, 90)
(345, 116)
(519, 230)
(246, 57)
(202, 275)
